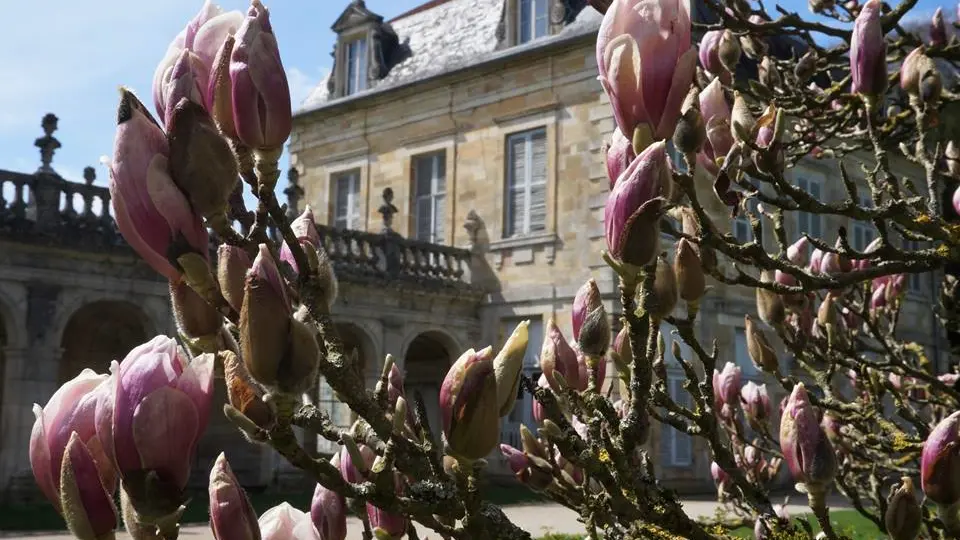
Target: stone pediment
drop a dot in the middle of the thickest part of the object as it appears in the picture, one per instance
(356, 14)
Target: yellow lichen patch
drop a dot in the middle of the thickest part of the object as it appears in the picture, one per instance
(603, 456)
(923, 219)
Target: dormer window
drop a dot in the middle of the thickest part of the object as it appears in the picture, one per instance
(532, 20)
(356, 66)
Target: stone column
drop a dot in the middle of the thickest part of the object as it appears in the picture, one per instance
(31, 377)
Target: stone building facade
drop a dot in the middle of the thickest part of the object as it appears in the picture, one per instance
(73, 295)
(486, 121)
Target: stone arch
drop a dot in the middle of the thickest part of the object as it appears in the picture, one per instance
(12, 326)
(99, 332)
(426, 360)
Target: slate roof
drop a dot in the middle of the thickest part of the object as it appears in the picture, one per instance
(446, 37)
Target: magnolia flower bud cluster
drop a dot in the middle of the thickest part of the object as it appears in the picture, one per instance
(97, 429)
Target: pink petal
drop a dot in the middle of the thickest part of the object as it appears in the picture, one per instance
(173, 206)
(197, 383)
(97, 504)
(40, 461)
(213, 33)
(683, 74)
(165, 429)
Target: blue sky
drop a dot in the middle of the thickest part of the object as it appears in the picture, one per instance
(70, 60)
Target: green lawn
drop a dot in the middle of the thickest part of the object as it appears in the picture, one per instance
(41, 516)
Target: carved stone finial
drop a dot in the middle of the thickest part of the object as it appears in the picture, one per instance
(387, 210)
(293, 192)
(89, 175)
(472, 225)
(48, 144)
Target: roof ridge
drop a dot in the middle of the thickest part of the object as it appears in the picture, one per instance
(422, 7)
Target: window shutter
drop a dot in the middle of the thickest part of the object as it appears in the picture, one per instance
(517, 186)
(440, 160)
(354, 183)
(342, 205)
(438, 217)
(538, 182)
(423, 218)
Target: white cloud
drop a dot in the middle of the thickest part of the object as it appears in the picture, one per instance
(302, 84)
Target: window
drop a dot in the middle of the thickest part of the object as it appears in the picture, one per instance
(811, 224)
(356, 66)
(741, 225)
(532, 19)
(338, 411)
(916, 283)
(526, 204)
(429, 191)
(346, 193)
(862, 232)
(742, 357)
(675, 446)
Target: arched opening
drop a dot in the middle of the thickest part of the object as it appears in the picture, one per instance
(426, 362)
(98, 333)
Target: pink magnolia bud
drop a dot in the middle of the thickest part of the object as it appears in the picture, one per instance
(949, 379)
(583, 369)
(956, 201)
(755, 401)
(508, 364)
(387, 525)
(189, 79)
(798, 251)
(556, 356)
(805, 446)
(688, 269)
(940, 462)
(938, 30)
(469, 408)
(646, 64)
(868, 52)
(219, 91)
(261, 95)
(153, 215)
(203, 36)
(539, 414)
(920, 78)
(232, 517)
(586, 300)
(160, 409)
(720, 477)
(863, 264)
(816, 260)
(71, 409)
(726, 389)
(716, 114)
(632, 213)
(710, 52)
(284, 522)
(834, 263)
(395, 391)
(87, 507)
(328, 511)
(516, 459)
(306, 230)
(349, 470)
(619, 156)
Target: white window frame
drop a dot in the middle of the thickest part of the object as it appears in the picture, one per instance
(356, 57)
(527, 184)
(532, 23)
(806, 183)
(352, 219)
(436, 196)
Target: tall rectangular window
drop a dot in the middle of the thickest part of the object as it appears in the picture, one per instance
(811, 224)
(339, 413)
(356, 66)
(429, 184)
(676, 447)
(532, 19)
(862, 232)
(346, 196)
(526, 204)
